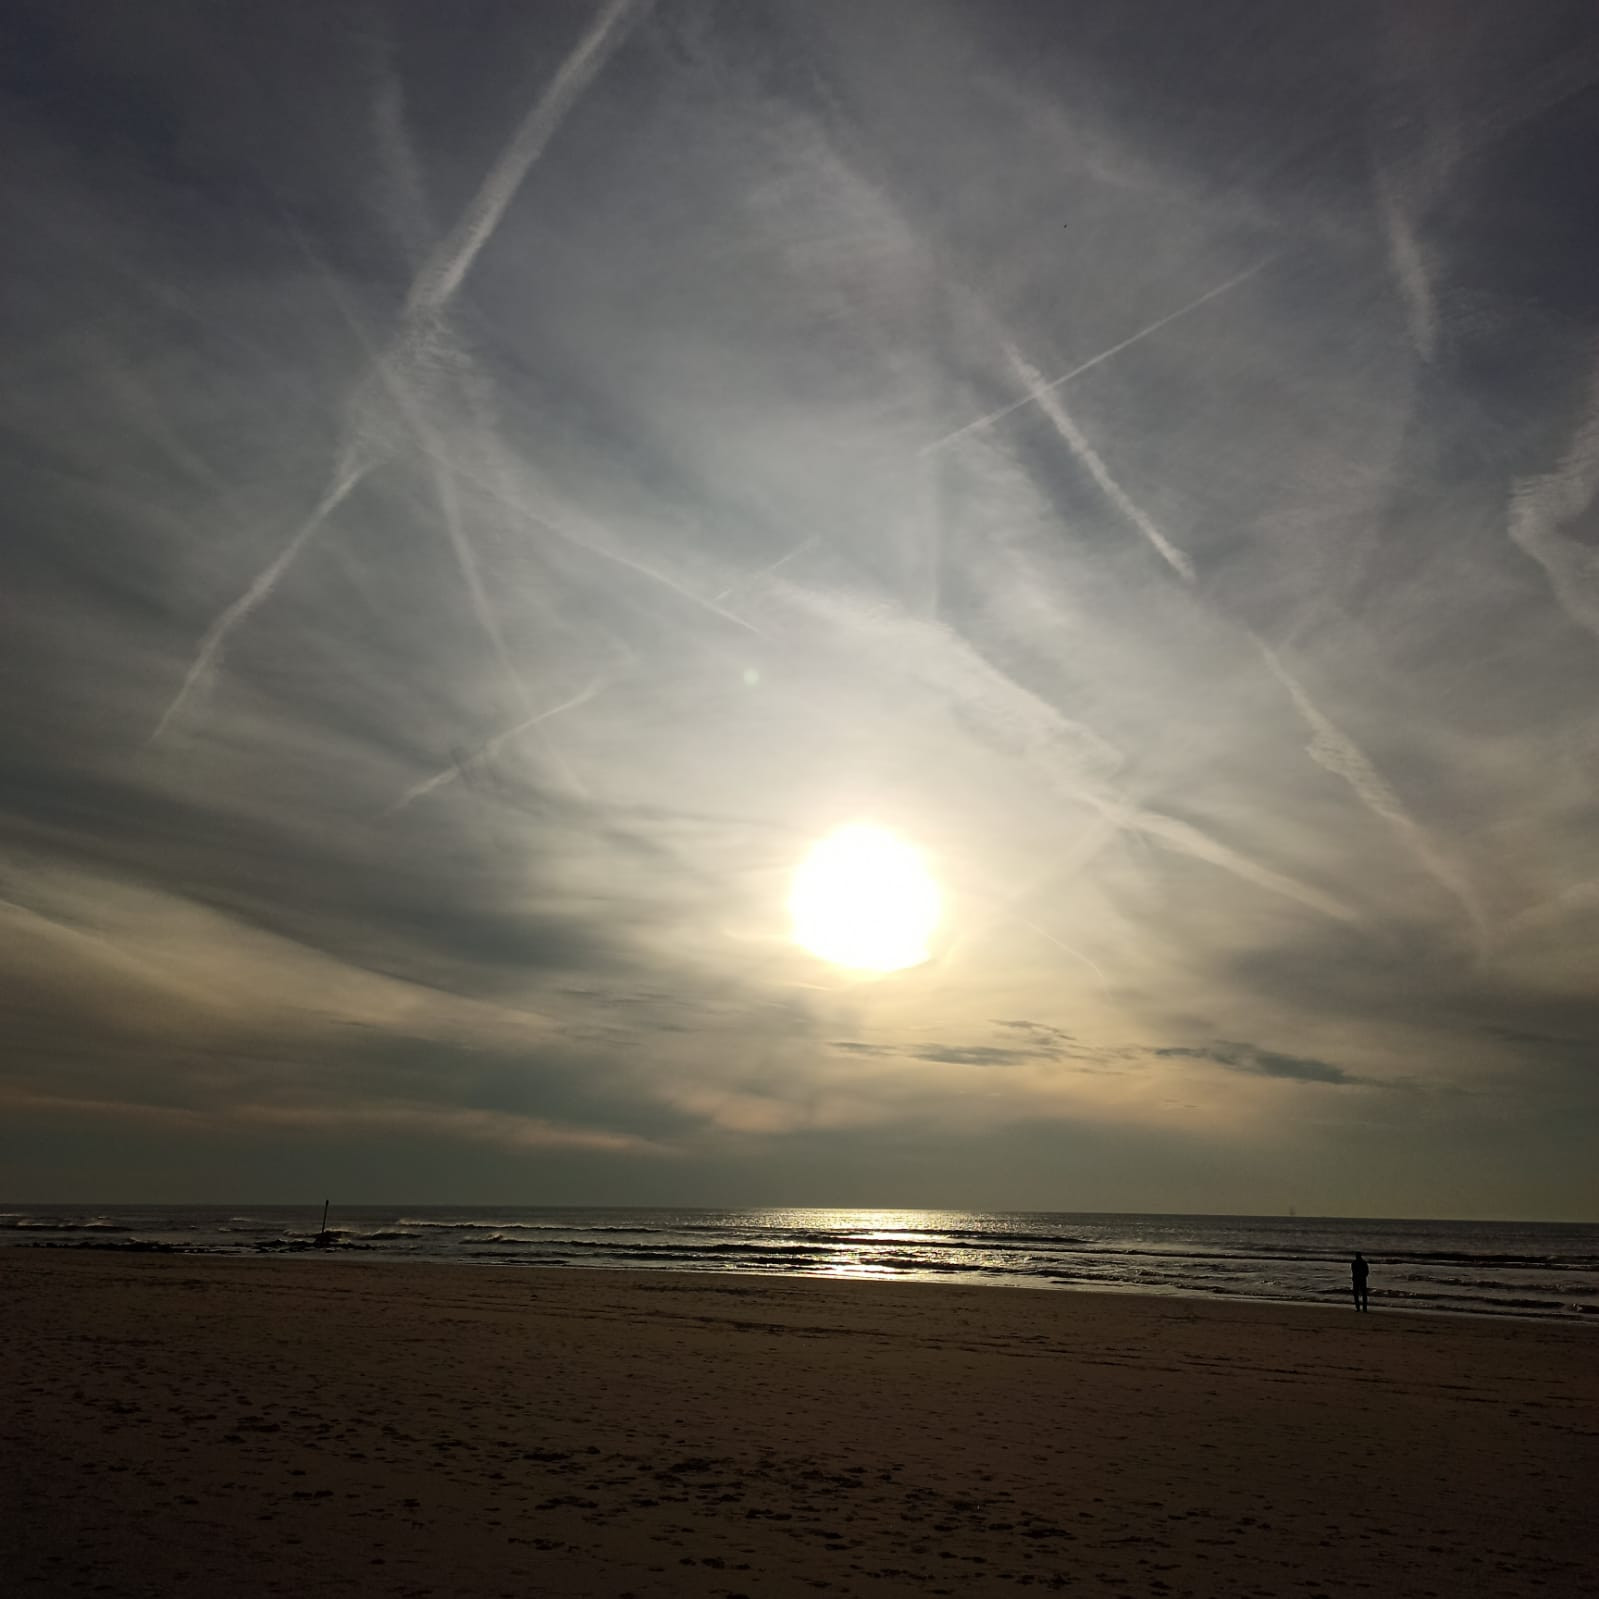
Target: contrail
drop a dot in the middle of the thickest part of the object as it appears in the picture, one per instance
(1076, 954)
(1410, 268)
(107, 949)
(349, 472)
(398, 174)
(1332, 749)
(766, 571)
(488, 750)
(550, 525)
(444, 475)
(1541, 507)
(442, 275)
(1075, 441)
(438, 281)
(1007, 905)
(435, 285)
(1577, 898)
(409, 211)
(1189, 840)
(647, 571)
(1093, 361)
(444, 489)
(1570, 73)
(1074, 759)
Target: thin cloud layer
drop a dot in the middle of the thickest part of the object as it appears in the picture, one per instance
(1262, 1063)
(488, 489)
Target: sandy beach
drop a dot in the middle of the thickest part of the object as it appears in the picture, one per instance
(310, 1426)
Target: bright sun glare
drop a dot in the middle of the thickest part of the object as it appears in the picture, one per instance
(863, 898)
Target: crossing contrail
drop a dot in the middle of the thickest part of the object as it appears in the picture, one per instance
(491, 748)
(1097, 360)
(1070, 756)
(431, 292)
(1076, 441)
(1330, 746)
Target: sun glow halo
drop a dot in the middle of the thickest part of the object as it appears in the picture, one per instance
(863, 898)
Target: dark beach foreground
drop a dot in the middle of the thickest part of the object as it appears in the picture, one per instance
(308, 1427)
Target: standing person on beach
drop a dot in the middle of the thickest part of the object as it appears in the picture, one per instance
(1359, 1271)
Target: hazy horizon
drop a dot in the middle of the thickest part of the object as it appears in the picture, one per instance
(314, 1208)
(491, 488)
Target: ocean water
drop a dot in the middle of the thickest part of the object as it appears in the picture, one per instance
(1544, 1269)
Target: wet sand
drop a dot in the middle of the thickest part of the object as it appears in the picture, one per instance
(184, 1425)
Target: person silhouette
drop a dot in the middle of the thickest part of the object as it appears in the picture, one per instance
(1359, 1271)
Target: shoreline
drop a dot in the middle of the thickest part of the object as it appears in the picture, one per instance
(1525, 1272)
(363, 1255)
(258, 1426)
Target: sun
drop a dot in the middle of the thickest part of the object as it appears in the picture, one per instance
(863, 898)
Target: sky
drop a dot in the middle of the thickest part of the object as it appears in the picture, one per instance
(489, 486)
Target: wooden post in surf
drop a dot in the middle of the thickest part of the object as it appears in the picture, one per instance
(323, 1239)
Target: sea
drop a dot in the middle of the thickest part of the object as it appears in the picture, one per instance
(1533, 1269)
